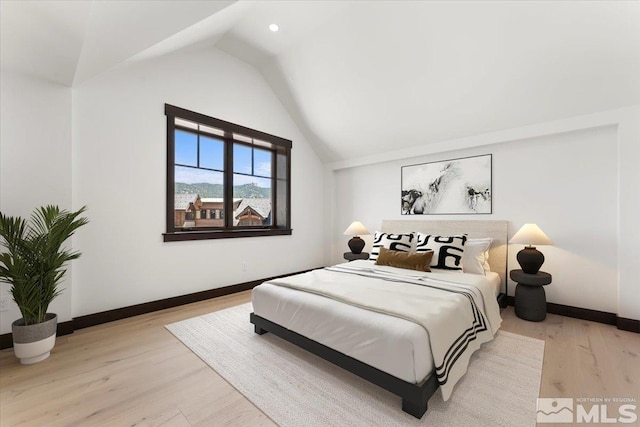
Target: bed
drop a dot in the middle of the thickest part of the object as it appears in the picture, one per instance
(389, 349)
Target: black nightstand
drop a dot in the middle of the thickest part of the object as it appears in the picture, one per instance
(531, 300)
(350, 256)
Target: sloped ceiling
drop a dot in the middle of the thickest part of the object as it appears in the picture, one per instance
(362, 77)
(69, 42)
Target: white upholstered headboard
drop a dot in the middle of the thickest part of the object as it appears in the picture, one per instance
(497, 230)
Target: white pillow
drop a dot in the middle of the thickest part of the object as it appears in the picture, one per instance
(403, 242)
(475, 256)
(487, 267)
(447, 250)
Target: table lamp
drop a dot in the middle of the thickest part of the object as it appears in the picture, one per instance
(356, 244)
(529, 258)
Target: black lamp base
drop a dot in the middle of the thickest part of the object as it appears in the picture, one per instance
(356, 244)
(530, 259)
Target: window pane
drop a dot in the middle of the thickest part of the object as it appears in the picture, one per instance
(281, 203)
(281, 166)
(251, 201)
(186, 144)
(197, 191)
(186, 123)
(240, 137)
(211, 153)
(204, 182)
(242, 158)
(209, 129)
(262, 162)
(264, 144)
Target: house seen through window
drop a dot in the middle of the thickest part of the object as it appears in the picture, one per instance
(224, 180)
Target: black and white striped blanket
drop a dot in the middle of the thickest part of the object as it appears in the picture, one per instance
(458, 311)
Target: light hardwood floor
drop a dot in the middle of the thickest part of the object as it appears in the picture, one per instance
(134, 372)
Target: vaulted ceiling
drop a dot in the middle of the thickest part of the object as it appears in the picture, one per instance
(361, 77)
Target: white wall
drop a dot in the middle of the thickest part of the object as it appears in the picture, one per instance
(114, 162)
(629, 178)
(566, 183)
(119, 172)
(35, 156)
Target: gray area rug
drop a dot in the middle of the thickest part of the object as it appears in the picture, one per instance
(296, 388)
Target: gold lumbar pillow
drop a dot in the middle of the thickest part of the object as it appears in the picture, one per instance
(410, 261)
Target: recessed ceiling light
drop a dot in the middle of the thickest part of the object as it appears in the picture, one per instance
(274, 27)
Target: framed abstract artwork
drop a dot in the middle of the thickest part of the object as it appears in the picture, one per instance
(458, 186)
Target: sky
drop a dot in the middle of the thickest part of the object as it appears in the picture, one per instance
(211, 156)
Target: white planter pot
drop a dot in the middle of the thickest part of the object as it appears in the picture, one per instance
(33, 343)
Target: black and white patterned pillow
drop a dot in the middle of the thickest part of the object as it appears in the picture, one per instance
(447, 250)
(396, 242)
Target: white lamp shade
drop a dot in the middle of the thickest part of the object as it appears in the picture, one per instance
(530, 234)
(356, 229)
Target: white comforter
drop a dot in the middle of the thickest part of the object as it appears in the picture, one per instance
(459, 312)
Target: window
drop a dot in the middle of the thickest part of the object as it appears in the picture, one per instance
(240, 177)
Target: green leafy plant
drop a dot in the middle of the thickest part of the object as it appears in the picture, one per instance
(32, 260)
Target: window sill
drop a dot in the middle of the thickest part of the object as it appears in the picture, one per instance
(180, 236)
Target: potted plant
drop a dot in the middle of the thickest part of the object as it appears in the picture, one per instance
(32, 262)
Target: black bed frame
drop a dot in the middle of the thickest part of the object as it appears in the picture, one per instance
(414, 396)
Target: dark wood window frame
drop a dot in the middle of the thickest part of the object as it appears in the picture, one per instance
(279, 146)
